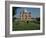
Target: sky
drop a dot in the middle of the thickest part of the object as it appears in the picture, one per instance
(35, 12)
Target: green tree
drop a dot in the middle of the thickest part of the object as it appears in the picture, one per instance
(14, 12)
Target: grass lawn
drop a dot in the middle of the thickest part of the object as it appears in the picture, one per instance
(32, 25)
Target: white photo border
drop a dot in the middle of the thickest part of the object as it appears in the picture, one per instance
(29, 31)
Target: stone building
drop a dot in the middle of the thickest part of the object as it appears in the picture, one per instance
(25, 15)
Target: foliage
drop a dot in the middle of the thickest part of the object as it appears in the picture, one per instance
(14, 12)
(38, 19)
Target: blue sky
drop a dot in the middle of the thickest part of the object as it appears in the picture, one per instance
(34, 11)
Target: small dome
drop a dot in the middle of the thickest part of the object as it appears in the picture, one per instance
(25, 10)
(29, 12)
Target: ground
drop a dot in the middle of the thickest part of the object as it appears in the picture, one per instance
(31, 25)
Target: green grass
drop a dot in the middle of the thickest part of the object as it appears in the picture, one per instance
(32, 25)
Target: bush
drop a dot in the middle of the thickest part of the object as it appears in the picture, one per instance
(38, 19)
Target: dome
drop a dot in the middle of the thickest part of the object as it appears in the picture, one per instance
(29, 12)
(25, 10)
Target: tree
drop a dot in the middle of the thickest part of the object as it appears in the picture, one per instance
(38, 18)
(14, 12)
